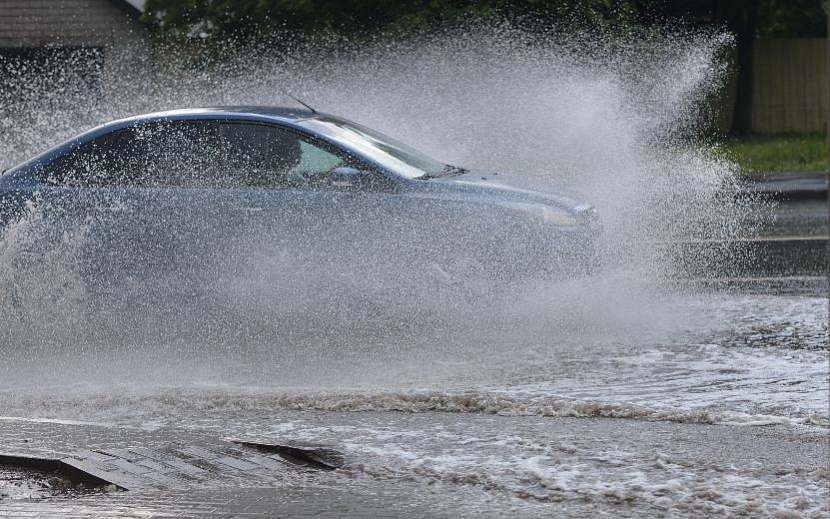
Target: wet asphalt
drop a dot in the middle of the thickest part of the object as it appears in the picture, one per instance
(630, 469)
(797, 217)
(789, 239)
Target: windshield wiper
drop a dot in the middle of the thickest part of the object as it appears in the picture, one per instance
(448, 171)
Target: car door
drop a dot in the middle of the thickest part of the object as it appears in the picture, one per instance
(126, 203)
(299, 215)
(81, 209)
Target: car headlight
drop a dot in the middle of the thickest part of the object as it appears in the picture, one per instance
(547, 214)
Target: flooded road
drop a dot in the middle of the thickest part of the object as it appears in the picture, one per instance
(730, 419)
(446, 464)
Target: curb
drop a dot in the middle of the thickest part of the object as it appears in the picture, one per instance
(786, 185)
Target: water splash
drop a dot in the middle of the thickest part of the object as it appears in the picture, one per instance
(613, 119)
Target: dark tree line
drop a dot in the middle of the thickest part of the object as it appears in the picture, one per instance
(746, 19)
(248, 17)
(252, 17)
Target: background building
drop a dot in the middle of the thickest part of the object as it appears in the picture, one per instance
(70, 45)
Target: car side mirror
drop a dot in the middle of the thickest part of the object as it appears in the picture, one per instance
(345, 176)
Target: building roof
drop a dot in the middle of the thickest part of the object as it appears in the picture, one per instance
(137, 4)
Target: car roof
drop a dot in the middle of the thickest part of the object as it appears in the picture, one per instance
(282, 113)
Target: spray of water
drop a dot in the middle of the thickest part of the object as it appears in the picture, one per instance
(612, 119)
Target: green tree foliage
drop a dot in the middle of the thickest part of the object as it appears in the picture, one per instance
(792, 18)
(205, 18)
(240, 18)
(772, 18)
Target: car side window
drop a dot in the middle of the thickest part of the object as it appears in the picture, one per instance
(315, 160)
(186, 154)
(158, 154)
(108, 160)
(269, 156)
(196, 154)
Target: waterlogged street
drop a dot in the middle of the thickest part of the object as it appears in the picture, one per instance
(450, 464)
(722, 409)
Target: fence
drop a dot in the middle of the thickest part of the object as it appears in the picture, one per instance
(790, 85)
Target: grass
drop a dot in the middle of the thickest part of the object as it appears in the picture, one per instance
(762, 154)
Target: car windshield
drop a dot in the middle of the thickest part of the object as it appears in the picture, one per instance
(386, 151)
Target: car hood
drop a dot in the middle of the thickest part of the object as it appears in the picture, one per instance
(519, 188)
